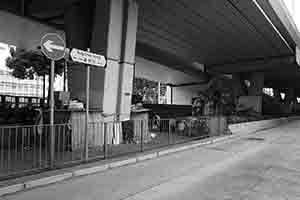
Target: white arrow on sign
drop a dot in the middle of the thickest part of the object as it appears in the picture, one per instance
(50, 46)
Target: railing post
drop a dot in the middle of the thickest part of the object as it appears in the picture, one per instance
(52, 132)
(227, 126)
(86, 137)
(105, 141)
(219, 125)
(86, 142)
(190, 128)
(210, 121)
(8, 145)
(142, 136)
(52, 145)
(169, 132)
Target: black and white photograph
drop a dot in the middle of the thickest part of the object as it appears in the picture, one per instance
(150, 100)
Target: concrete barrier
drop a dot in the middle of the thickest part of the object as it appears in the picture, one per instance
(251, 127)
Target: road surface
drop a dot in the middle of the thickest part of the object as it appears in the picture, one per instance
(265, 166)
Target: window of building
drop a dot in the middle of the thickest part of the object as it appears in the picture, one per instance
(247, 83)
(269, 91)
(282, 95)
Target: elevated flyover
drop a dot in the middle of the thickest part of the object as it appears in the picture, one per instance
(226, 36)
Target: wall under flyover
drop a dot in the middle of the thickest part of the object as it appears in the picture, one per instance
(156, 72)
(183, 95)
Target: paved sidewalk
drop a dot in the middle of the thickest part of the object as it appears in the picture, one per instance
(246, 168)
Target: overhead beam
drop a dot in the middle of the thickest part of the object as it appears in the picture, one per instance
(55, 25)
(284, 15)
(190, 84)
(41, 6)
(276, 21)
(23, 7)
(55, 17)
(175, 62)
(273, 26)
(281, 84)
(249, 18)
(10, 6)
(260, 64)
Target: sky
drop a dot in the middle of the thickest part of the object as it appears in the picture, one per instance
(4, 53)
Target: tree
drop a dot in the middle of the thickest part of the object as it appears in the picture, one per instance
(218, 94)
(26, 64)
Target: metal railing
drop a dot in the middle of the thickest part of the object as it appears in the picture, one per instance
(27, 149)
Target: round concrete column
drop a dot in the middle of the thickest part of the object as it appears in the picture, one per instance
(109, 28)
(237, 88)
(277, 95)
(78, 26)
(257, 84)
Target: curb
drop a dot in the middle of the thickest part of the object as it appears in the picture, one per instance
(101, 168)
(147, 157)
(91, 170)
(47, 180)
(122, 163)
(12, 189)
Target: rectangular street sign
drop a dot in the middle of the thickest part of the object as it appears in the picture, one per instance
(87, 58)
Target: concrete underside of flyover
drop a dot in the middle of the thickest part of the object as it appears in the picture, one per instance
(227, 36)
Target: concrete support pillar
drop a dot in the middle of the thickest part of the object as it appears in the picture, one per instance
(121, 28)
(291, 99)
(127, 63)
(107, 40)
(78, 27)
(114, 27)
(257, 84)
(254, 91)
(237, 87)
(277, 95)
(290, 95)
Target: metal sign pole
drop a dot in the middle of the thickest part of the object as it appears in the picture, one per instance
(54, 48)
(65, 76)
(87, 110)
(52, 137)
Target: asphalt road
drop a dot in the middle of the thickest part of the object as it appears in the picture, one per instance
(265, 166)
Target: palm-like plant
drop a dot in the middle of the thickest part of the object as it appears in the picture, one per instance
(219, 93)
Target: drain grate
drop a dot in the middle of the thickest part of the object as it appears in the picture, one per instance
(255, 139)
